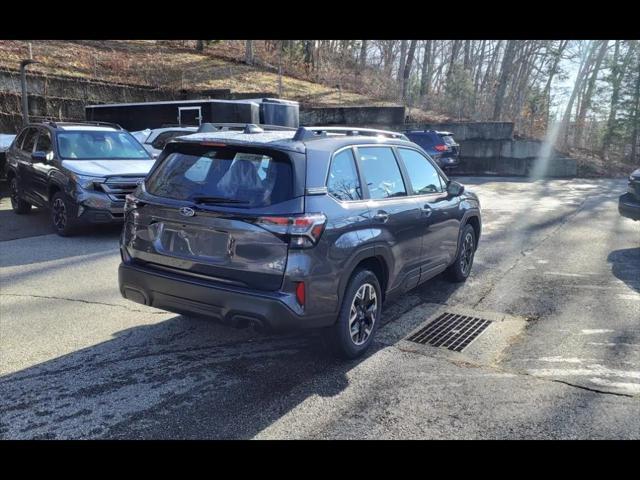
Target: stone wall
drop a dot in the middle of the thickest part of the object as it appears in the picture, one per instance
(63, 98)
(356, 116)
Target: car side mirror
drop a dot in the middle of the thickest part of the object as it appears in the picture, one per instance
(39, 157)
(454, 188)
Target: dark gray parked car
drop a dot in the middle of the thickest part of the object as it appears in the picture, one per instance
(81, 172)
(289, 229)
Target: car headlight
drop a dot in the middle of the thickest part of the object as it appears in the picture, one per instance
(86, 181)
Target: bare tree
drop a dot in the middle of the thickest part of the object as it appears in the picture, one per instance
(407, 68)
(505, 72)
(248, 52)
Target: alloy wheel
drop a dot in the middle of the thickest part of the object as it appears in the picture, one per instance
(466, 256)
(14, 193)
(362, 315)
(59, 211)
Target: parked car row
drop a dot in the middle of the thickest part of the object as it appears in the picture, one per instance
(271, 226)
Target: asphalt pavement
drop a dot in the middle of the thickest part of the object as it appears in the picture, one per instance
(557, 272)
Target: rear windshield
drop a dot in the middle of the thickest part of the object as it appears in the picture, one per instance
(223, 176)
(424, 139)
(448, 139)
(100, 145)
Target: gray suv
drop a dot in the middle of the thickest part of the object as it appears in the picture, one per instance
(284, 228)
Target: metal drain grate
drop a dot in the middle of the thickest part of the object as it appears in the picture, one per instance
(455, 332)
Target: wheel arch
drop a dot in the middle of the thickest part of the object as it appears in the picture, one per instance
(369, 260)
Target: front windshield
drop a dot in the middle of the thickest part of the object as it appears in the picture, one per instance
(102, 145)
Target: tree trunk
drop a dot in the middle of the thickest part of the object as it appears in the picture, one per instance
(455, 49)
(467, 54)
(363, 55)
(425, 76)
(617, 72)
(403, 58)
(407, 68)
(199, 45)
(586, 99)
(248, 52)
(566, 118)
(505, 72)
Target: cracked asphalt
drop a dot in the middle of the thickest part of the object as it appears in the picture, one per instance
(558, 270)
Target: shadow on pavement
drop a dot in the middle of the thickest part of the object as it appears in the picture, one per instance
(179, 378)
(625, 266)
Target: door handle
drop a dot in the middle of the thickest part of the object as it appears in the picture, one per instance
(381, 216)
(427, 210)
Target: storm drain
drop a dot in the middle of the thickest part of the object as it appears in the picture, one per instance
(455, 332)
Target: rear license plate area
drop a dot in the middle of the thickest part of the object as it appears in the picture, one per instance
(188, 241)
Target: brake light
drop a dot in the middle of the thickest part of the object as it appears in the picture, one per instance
(304, 231)
(300, 293)
(441, 148)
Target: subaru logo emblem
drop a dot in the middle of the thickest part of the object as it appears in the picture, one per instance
(187, 212)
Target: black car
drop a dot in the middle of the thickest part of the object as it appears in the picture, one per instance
(439, 145)
(293, 229)
(629, 203)
(81, 172)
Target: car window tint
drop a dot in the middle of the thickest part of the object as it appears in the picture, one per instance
(343, 182)
(423, 176)
(44, 142)
(381, 172)
(248, 179)
(30, 140)
(425, 139)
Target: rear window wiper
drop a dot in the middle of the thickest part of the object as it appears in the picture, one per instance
(204, 199)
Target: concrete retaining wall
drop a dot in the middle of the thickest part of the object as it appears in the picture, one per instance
(470, 130)
(356, 116)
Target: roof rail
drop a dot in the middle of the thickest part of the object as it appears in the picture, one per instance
(247, 127)
(304, 134)
(85, 122)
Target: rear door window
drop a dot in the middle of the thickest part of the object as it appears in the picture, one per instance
(223, 176)
(343, 182)
(381, 172)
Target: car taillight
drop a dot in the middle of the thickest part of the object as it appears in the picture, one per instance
(300, 293)
(304, 231)
(441, 148)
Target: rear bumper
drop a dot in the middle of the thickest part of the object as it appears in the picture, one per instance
(449, 161)
(629, 206)
(179, 294)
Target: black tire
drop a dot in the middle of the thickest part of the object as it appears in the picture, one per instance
(460, 270)
(18, 205)
(340, 337)
(64, 215)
